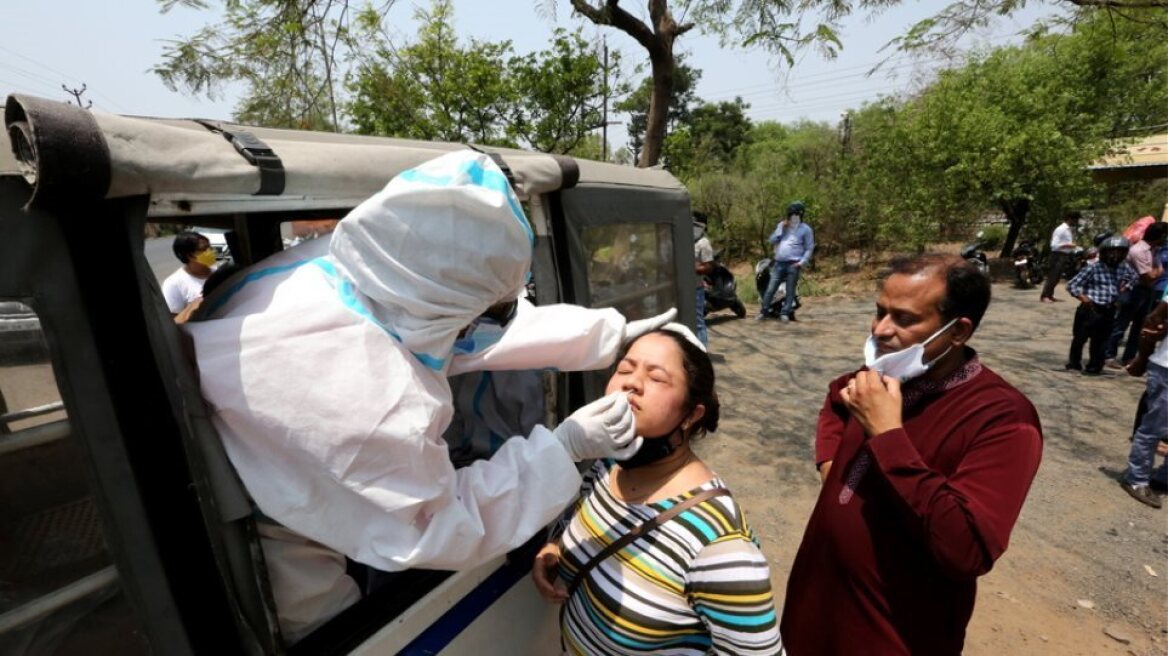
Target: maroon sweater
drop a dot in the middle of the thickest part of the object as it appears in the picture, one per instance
(889, 564)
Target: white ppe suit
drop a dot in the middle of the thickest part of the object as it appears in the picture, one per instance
(326, 379)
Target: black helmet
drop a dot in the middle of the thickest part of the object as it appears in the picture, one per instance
(796, 207)
(1117, 242)
(1101, 237)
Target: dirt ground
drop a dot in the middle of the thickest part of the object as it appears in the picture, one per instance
(1077, 567)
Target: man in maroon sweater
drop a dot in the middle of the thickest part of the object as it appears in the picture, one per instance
(933, 456)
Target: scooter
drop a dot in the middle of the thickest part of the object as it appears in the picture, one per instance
(722, 291)
(762, 278)
(1026, 271)
(973, 254)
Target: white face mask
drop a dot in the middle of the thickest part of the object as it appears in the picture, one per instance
(793, 221)
(905, 364)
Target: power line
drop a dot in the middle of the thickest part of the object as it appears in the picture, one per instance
(60, 74)
(834, 76)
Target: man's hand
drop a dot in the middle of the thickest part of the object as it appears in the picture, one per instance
(635, 329)
(544, 574)
(824, 467)
(874, 401)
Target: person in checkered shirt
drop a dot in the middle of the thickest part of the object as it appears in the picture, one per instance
(1097, 287)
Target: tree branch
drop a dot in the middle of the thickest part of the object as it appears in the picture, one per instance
(1122, 4)
(612, 14)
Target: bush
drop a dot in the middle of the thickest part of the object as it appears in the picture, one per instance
(993, 236)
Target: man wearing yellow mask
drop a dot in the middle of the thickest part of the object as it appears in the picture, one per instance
(185, 285)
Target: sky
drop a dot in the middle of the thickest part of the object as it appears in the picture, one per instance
(110, 47)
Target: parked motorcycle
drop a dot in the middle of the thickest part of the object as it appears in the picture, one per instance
(973, 253)
(722, 291)
(762, 278)
(1027, 273)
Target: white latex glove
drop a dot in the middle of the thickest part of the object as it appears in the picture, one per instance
(635, 329)
(604, 428)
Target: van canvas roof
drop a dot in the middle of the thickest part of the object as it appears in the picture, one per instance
(187, 167)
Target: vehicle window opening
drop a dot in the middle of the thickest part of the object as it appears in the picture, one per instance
(59, 590)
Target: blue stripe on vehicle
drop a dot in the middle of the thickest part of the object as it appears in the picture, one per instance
(454, 621)
(482, 177)
(348, 294)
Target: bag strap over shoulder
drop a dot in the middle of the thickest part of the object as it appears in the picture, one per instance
(642, 529)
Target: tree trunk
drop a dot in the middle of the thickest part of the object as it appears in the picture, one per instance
(656, 122)
(1016, 211)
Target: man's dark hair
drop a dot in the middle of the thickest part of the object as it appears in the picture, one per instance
(186, 244)
(967, 289)
(1155, 231)
(1073, 215)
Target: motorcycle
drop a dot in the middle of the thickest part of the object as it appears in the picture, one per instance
(1026, 270)
(973, 254)
(762, 278)
(722, 291)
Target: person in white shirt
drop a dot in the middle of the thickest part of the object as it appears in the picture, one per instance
(326, 370)
(185, 285)
(1062, 246)
(703, 265)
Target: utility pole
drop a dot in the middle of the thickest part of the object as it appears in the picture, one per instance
(604, 125)
(76, 93)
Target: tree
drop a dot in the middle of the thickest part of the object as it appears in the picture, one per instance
(1017, 127)
(682, 97)
(710, 138)
(560, 93)
(434, 88)
(482, 92)
(285, 52)
(782, 27)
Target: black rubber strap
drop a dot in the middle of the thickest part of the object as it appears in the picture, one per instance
(642, 529)
(258, 154)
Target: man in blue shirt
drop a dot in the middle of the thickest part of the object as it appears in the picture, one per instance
(794, 243)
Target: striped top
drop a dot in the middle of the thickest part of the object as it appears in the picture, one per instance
(696, 585)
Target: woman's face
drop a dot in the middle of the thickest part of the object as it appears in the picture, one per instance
(654, 378)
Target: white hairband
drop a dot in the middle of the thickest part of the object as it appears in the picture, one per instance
(685, 332)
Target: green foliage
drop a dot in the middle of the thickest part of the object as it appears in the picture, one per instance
(439, 88)
(434, 88)
(284, 52)
(993, 236)
(710, 139)
(559, 94)
(1009, 133)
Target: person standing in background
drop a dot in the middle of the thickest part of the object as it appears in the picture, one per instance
(703, 266)
(185, 285)
(1062, 245)
(794, 244)
(1143, 256)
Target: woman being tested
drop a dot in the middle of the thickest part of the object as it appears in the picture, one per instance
(656, 557)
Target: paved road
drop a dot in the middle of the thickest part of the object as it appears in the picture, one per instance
(160, 256)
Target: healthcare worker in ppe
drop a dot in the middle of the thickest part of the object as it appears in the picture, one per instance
(326, 374)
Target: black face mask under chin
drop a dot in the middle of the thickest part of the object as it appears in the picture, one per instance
(653, 449)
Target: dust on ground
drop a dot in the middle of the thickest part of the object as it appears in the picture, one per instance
(1080, 537)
